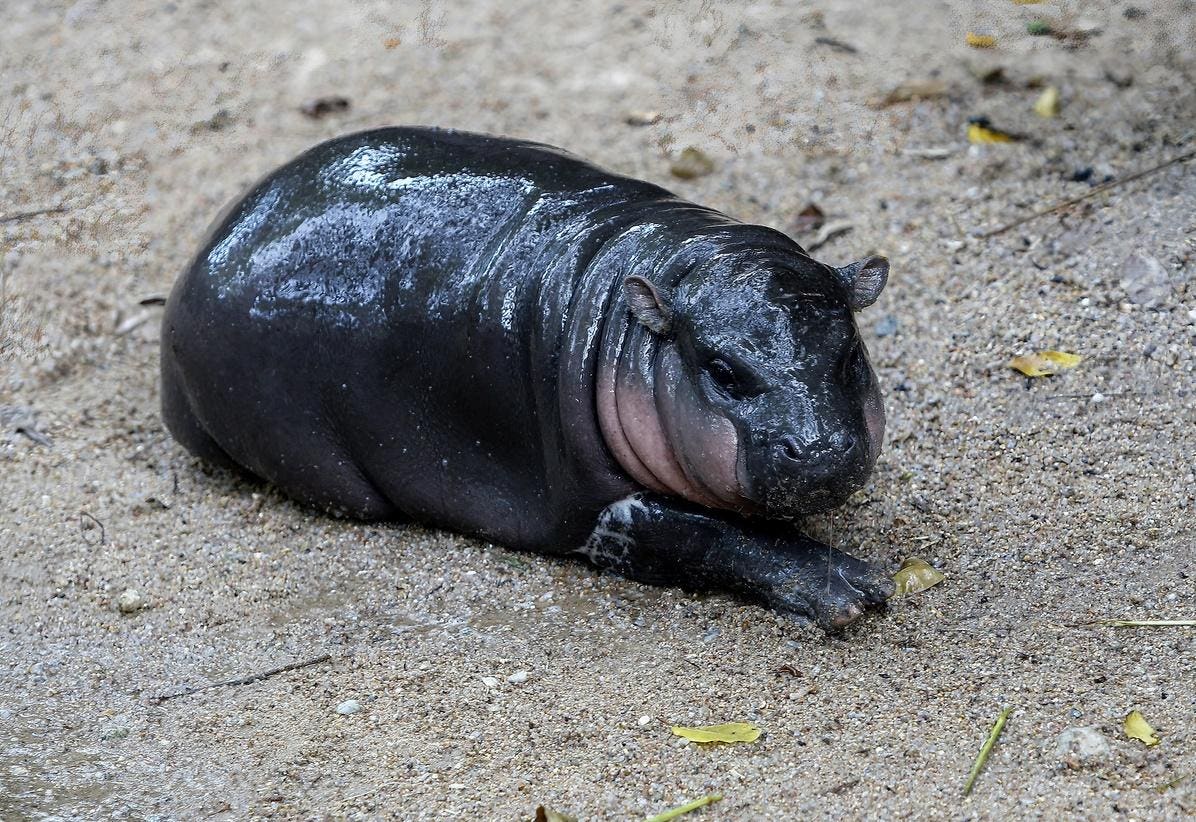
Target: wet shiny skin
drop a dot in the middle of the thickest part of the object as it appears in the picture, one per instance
(430, 324)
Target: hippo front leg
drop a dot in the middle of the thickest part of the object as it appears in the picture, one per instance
(662, 541)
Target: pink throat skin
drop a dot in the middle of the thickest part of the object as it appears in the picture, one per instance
(698, 462)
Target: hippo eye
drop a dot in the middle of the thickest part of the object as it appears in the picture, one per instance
(723, 375)
(855, 363)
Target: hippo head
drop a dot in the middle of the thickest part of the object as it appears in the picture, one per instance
(763, 387)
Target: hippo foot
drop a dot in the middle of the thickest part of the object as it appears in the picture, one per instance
(828, 587)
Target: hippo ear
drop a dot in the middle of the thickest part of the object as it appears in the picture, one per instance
(649, 305)
(864, 280)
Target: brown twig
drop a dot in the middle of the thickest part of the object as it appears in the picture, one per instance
(29, 215)
(1100, 189)
(242, 680)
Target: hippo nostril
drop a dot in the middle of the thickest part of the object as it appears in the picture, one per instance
(791, 448)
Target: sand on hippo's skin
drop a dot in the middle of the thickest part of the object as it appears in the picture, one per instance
(488, 682)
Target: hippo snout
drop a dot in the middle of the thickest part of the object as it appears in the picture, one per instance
(806, 477)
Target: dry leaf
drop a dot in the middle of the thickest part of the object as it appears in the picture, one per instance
(980, 41)
(915, 575)
(1047, 104)
(730, 732)
(1044, 363)
(1136, 727)
(905, 92)
(544, 814)
(809, 218)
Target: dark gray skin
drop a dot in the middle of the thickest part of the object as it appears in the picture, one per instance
(496, 337)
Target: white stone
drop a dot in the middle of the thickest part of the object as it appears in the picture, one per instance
(129, 601)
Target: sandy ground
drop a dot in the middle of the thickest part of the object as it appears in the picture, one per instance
(1047, 503)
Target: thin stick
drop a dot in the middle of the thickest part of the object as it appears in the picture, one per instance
(1138, 623)
(1166, 786)
(243, 680)
(1087, 395)
(982, 757)
(673, 813)
(29, 215)
(83, 527)
(1100, 189)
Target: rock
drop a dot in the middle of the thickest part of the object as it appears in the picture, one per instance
(348, 707)
(517, 678)
(887, 326)
(130, 601)
(490, 681)
(1082, 745)
(1144, 279)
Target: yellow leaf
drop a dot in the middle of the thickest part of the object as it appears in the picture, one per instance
(980, 41)
(692, 163)
(1044, 363)
(980, 132)
(915, 575)
(1136, 727)
(730, 732)
(1047, 104)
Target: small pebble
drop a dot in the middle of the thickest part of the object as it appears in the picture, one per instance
(130, 601)
(517, 678)
(887, 326)
(1144, 279)
(348, 707)
(644, 720)
(490, 681)
(1081, 745)
(642, 118)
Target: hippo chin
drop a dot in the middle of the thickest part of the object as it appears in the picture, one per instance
(496, 337)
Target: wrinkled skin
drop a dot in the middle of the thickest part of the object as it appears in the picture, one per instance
(498, 338)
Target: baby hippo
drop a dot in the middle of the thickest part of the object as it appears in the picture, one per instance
(496, 337)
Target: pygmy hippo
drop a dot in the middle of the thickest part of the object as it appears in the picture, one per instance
(499, 338)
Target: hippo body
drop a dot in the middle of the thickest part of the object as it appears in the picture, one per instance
(498, 338)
